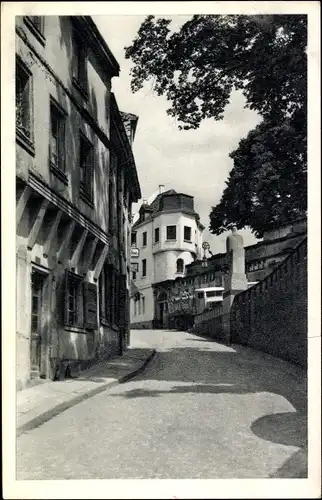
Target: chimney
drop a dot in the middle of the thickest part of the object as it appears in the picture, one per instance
(161, 188)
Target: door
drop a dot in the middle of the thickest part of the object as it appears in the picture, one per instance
(37, 311)
(161, 314)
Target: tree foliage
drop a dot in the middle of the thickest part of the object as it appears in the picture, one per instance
(197, 68)
(268, 184)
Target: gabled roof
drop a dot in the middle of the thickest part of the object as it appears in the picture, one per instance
(155, 205)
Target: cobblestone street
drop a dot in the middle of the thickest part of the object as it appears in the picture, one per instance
(200, 410)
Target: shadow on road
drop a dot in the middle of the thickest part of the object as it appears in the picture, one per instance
(295, 467)
(216, 369)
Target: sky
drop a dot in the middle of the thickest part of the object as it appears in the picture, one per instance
(195, 162)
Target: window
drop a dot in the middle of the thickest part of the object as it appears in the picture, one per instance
(139, 306)
(156, 235)
(133, 275)
(79, 306)
(218, 281)
(73, 298)
(135, 266)
(214, 294)
(143, 305)
(86, 164)
(111, 204)
(180, 266)
(187, 233)
(36, 26)
(80, 63)
(133, 239)
(171, 232)
(23, 103)
(144, 238)
(144, 267)
(57, 138)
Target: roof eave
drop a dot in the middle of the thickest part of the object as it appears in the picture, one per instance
(106, 52)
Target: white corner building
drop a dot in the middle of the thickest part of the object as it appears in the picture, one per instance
(166, 237)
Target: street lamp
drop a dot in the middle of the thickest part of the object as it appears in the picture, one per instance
(205, 247)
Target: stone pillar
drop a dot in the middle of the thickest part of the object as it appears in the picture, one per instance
(23, 316)
(235, 281)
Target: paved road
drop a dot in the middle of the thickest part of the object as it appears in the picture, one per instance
(201, 410)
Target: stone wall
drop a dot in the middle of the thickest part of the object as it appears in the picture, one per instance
(213, 327)
(212, 323)
(272, 315)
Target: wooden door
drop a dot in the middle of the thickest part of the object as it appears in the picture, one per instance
(37, 311)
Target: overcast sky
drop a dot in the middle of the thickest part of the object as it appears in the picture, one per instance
(195, 162)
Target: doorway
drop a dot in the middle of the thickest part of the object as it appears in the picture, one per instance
(38, 281)
(161, 309)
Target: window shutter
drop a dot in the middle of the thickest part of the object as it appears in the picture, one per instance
(117, 299)
(75, 58)
(82, 69)
(91, 174)
(62, 145)
(61, 300)
(122, 300)
(90, 303)
(65, 298)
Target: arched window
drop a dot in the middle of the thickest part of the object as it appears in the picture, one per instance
(179, 265)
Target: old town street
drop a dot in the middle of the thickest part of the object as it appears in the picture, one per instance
(200, 410)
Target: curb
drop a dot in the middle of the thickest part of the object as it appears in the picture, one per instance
(44, 417)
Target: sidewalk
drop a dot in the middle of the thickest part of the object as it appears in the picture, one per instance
(40, 403)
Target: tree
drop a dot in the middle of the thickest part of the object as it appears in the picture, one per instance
(198, 67)
(268, 184)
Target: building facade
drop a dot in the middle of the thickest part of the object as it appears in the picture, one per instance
(202, 285)
(167, 237)
(75, 182)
